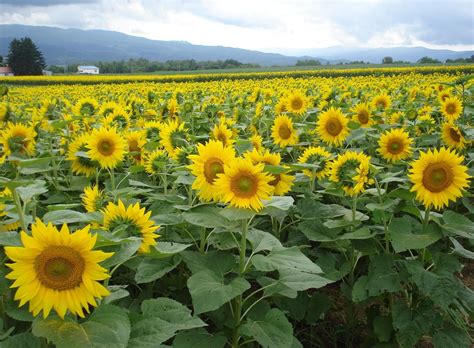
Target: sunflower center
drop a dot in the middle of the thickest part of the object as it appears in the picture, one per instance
(437, 177)
(334, 126)
(454, 135)
(87, 109)
(363, 117)
(60, 267)
(381, 104)
(106, 147)
(450, 108)
(395, 147)
(133, 146)
(296, 103)
(213, 167)
(244, 185)
(222, 138)
(284, 131)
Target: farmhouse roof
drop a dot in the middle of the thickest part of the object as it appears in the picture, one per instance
(87, 67)
(5, 69)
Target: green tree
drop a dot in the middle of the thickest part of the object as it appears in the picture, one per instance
(25, 58)
(428, 60)
(387, 60)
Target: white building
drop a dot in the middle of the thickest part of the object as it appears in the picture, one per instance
(87, 69)
(6, 71)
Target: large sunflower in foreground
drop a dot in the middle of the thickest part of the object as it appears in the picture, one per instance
(452, 136)
(107, 147)
(244, 185)
(57, 269)
(395, 145)
(18, 138)
(79, 163)
(283, 132)
(207, 164)
(332, 127)
(351, 171)
(131, 221)
(438, 177)
(316, 156)
(451, 108)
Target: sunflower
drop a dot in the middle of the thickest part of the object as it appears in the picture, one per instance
(256, 141)
(351, 170)
(79, 163)
(451, 108)
(395, 145)
(153, 129)
(206, 165)
(318, 156)
(362, 115)
(438, 177)
(107, 147)
(130, 221)
(452, 136)
(281, 106)
(93, 199)
(173, 136)
(332, 127)
(155, 161)
(4, 112)
(7, 223)
(243, 184)
(281, 182)
(443, 95)
(85, 107)
(382, 102)
(297, 103)
(283, 132)
(136, 141)
(108, 108)
(119, 118)
(18, 138)
(57, 269)
(223, 134)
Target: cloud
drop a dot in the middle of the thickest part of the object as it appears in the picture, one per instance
(268, 25)
(44, 3)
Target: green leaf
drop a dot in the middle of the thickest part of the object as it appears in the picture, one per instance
(261, 240)
(361, 233)
(209, 290)
(383, 328)
(234, 214)
(10, 239)
(167, 249)
(459, 249)
(279, 202)
(122, 252)
(34, 165)
(272, 331)
(285, 258)
(199, 338)
(27, 192)
(300, 281)
(206, 216)
(458, 224)
(451, 336)
(161, 319)
(404, 236)
(411, 323)
(151, 269)
(318, 304)
(382, 275)
(108, 326)
(23, 340)
(59, 217)
(217, 261)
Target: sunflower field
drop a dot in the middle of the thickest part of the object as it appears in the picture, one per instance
(260, 211)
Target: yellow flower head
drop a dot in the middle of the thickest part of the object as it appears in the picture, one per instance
(438, 177)
(107, 147)
(297, 103)
(244, 185)
(93, 199)
(395, 145)
(362, 115)
(207, 164)
(283, 132)
(173, 136)
(223, 134)
(452, 136)
(18, 138)
(79, 162)
(332, 127)
(351, 170)
(155, 162)
(451, 108)
(316, 156)
(382, 102)
(57, 269)
(131, 221)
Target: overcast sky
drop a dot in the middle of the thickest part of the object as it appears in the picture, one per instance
(286, 26)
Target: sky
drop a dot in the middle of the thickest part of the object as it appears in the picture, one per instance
(284, 26)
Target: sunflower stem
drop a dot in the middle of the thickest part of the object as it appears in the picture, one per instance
(202, 245)
(238, 300)
(19, 210)
(112, 178)
(426, 219)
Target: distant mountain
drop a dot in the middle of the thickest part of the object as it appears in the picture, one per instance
(375, 55)
(60, 46)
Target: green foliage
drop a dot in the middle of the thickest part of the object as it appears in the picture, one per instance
(25, 58)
